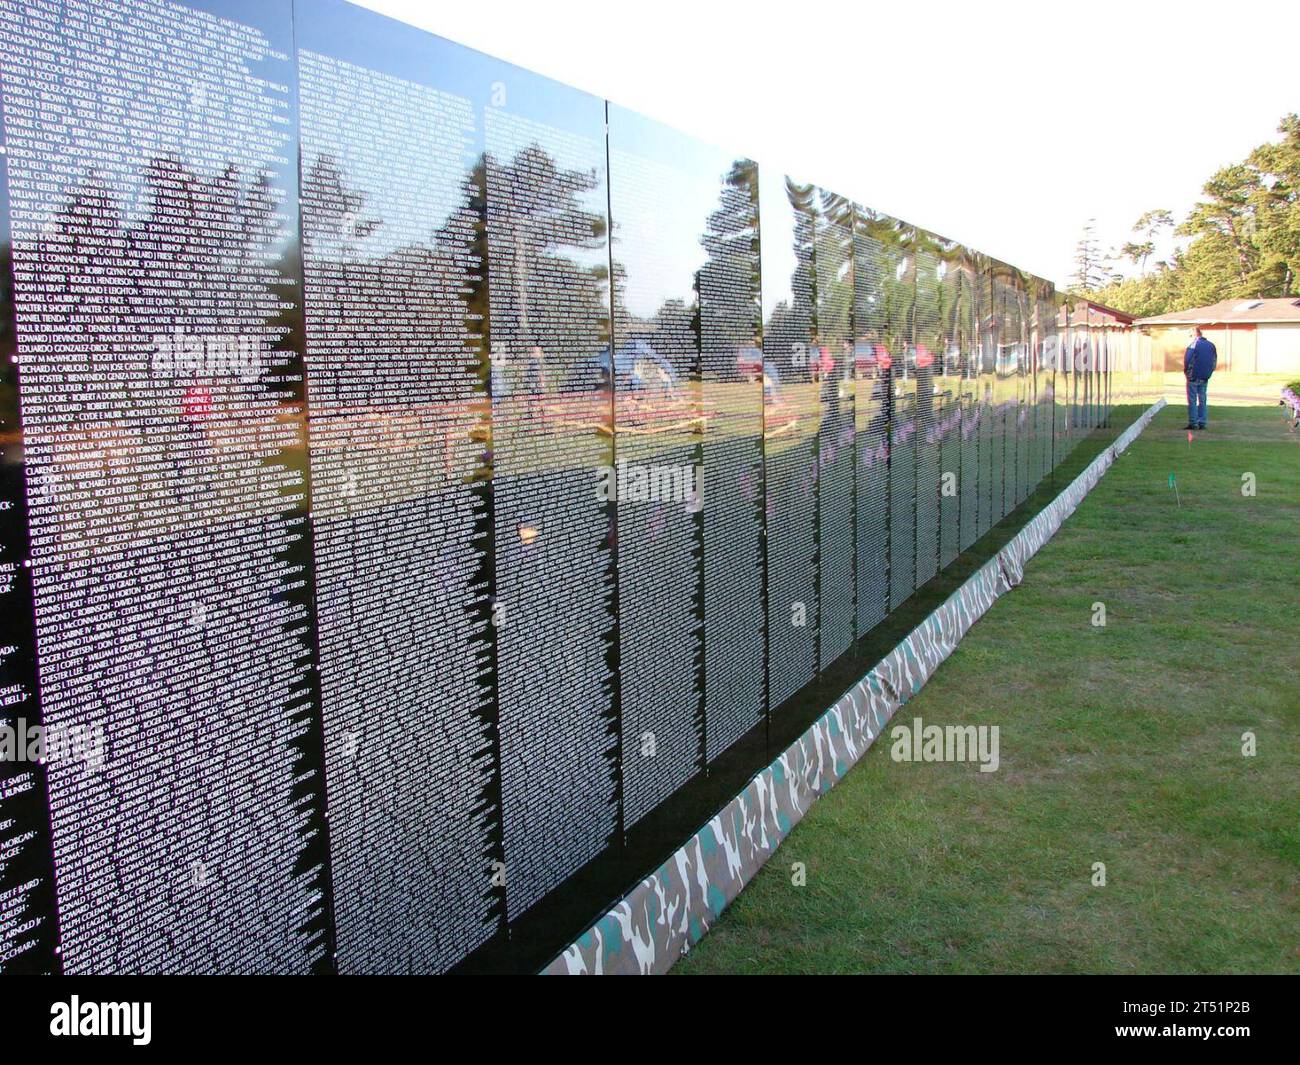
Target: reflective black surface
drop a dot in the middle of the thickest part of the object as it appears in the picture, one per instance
(438, 490)
(554, 538)
(28, 926)
(833, 365)
(688, 433)
(927, 357)
(392, 267)
(966, 319)
(791, 414)
(948, 363)
(153, 209)
(735, 618)
(873, 277)
(905, 414)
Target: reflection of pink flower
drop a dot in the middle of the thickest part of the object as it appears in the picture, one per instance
(1292, 400)
(747, 486)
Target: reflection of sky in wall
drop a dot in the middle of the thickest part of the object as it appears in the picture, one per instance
(358, 36)
(657, 237)
(583, 153)
(354, 35)
(589, 258)
(361, 37)
(403, 214)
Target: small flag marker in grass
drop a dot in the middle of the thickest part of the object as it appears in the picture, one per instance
(1173, 483)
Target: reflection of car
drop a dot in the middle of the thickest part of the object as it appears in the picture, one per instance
(749, 363)
(870, 357)
(638, 366)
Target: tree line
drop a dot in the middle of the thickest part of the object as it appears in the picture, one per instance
(1245, 240)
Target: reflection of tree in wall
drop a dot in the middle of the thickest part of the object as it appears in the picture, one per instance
(954, 308)
(674, 329)
(833, 258)
(789, 327)
(729, 278)
(213, 231)
(889, 282)
(929, 292)
(435, 291)
(541, 236)
(724, 315)
(956, 303)
(1011, 312)
(672, 332)
(897, 242)
(203, 258)
(334, 225)
(872, 272)
(418, 291)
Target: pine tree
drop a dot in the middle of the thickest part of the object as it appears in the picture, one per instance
(1091, 270)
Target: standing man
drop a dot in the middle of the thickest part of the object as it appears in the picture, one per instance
(1199, 362)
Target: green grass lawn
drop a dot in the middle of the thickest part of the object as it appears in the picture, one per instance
(1120, 745)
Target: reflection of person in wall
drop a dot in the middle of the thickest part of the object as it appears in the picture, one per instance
(923, 362)
(500, 377)
(828, 382)
(535, 370)
(534, 383)
(196, 461)
(771, 383)
(749, 361)
(1199, 362)
(846, 368)
(871, 363)
(649, 373)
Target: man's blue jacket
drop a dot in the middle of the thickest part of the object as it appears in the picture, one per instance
(1200, 360)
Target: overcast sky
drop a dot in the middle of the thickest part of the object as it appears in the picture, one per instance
(1003, 125)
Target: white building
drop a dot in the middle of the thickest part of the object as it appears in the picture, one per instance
(1252, 335)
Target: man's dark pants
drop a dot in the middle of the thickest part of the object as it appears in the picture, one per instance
(1196, 403)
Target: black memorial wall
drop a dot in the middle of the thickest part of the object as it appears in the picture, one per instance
(419, 476)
